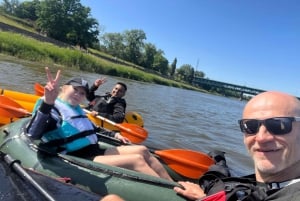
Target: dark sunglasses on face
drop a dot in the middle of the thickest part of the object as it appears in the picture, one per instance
(275, 125)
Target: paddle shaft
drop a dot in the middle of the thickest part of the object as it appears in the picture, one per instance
(28, 101)
(14, 164)
(17, 112)
(137, 133)
(11, 109)
(181, 161)
(177, 159)
(109, 121)
(117, 142)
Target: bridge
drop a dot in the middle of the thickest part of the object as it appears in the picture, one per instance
(226, 86)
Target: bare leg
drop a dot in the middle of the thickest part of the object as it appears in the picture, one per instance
(129, 161)
(136, 158)
(111, 197)
(153, 162)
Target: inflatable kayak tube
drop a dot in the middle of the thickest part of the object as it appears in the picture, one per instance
(89, 176)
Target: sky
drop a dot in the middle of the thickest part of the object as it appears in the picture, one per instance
(253, 43)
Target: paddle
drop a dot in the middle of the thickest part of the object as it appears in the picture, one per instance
(186, 162)
(39, 89)
(133, 132)
(5, 113)
(132, 117)
(12, 109)
(27, 101)
(4, 119)
(15, 165)
(189, 163)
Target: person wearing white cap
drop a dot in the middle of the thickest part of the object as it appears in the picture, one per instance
(60, 123)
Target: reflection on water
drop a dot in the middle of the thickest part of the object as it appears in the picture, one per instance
(175, 118)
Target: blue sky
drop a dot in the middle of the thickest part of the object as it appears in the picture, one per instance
(255, 43)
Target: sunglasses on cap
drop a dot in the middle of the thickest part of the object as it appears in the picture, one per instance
(275, 125)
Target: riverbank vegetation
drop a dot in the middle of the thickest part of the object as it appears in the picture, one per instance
(55, 36)
(27, 48)
(90, 59)
(71, 23)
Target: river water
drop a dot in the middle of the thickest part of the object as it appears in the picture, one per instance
(174, 118)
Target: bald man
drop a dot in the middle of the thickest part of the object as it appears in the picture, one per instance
(271, 130)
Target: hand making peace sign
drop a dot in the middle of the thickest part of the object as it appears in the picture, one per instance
(51, 89)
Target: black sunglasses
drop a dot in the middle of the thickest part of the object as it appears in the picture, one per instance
(275, 125)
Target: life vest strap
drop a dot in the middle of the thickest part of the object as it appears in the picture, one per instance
(59, 142)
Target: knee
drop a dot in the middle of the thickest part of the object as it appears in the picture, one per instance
(138, 160)
(143, 150)
(112, 197)
(138, 157)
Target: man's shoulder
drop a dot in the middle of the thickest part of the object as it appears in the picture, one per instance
(290, 193)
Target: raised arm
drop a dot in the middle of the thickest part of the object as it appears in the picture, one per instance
(42, 119)
(91, 96)
(52, 87)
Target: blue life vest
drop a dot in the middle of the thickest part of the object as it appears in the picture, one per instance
(73, 122)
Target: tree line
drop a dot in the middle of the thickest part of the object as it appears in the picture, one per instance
(72, 23)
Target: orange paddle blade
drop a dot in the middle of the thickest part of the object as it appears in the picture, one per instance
(9, 102)
(5, 120)
(188, 163)
(14, 112)
(191, 164)
(133, 132)
(6, 114)
(39, 89)
(12, 107)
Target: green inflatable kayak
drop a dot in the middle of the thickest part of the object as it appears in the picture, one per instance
(84, 174)
(19, 183)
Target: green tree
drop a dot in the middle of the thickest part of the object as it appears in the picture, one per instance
(84, 31)
(67, 21)
(27, 10)
(186, 73)
(52, 19)
(148, 56)
(134, 44)
(173, 67)
(199, 74)
(160, 63)
(130, 46)
(113, 44)
(9, 6)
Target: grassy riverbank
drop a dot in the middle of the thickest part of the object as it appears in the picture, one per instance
(35, 49)
(30, 49)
